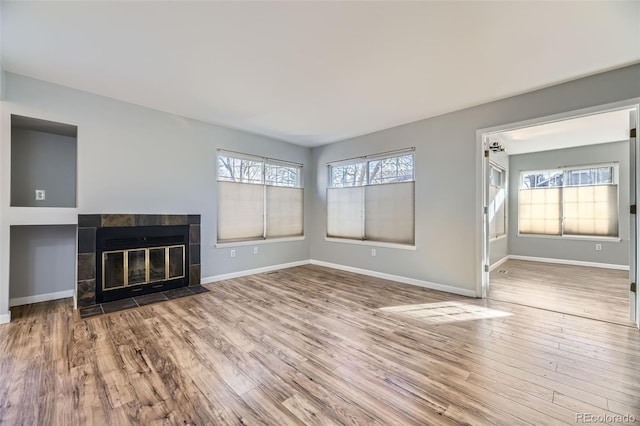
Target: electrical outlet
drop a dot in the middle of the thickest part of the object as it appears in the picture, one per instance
(255, 250)
(373, 252)
(40, 194)
(598, 247)
(232, 253)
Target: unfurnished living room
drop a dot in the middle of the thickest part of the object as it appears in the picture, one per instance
(319, 212)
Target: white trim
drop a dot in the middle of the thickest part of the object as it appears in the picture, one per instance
(570, 262)
(370, 243)
(498, 263)
(43, 216)
(40, 298)
(261, 241)
(222, 277)
(5, 318)
(499, 237)
(572, 237)
(398, 278)
(583, 112)
(481, 277)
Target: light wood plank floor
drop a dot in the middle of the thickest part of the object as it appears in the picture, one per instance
(578, 290)
(311, 345)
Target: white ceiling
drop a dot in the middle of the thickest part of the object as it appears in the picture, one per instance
(315, 72)
(588, 130)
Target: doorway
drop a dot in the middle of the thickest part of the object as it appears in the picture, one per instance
(558, 231)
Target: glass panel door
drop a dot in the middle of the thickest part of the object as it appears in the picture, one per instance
(176, 262)
(113, 270)
(157, 264)
(137, 267)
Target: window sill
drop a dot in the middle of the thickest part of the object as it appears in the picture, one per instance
(573, 237)
(257, 242)
(370, 243)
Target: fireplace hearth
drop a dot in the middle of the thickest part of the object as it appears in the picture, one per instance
(121, 256)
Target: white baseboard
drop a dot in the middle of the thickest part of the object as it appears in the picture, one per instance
(570, 262)
(5, 318)
(398, 278)
(40, 298)
(498, 263)
(222, 277)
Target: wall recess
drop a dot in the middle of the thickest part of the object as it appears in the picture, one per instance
(43, 162)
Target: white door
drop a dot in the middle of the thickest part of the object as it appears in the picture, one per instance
(634, 299)
(486, 257)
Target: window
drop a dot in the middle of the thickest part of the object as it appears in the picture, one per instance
(258, 198)
(497, 202)
(372, 198)
(570, 201)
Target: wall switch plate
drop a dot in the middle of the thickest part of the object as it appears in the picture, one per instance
(40, 194)
(373, 252)
(598, 247)
(232, 253)
(255, 250)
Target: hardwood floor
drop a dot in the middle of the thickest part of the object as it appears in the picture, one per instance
(578, 290)
(311, 345)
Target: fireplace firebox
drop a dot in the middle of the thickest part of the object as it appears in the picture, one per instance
(131, 261)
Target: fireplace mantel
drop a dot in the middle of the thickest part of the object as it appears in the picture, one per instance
(88, 225)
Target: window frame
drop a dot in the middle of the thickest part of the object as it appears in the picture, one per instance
(368, 159)
(265, 161)
(365, 160)
(615, 165)
(504, 185)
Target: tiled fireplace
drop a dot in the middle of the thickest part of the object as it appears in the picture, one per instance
(125, 255)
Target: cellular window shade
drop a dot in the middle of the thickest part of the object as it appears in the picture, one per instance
(284, 211)
(390, 213)
(539, 211)
(240, 211)
(591, 210)
(344, 212)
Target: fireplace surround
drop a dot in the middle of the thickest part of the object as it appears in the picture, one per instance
(124, 255)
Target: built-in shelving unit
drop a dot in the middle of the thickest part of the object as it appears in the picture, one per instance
(43, 172)
(43, 214)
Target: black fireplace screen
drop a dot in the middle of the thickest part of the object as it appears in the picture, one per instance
(123, 268)
(140, 260)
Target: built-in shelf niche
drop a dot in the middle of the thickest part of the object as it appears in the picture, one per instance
(43, 158)
(42, 263)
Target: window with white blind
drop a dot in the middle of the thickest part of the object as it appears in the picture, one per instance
(576, 201)
(373, 198)
(497, 202)
(258, 198)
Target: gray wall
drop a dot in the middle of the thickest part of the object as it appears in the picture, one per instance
(446, 211)
(561, 248)
(133, 159)
(499, 247)
(42, 161)
(42, 260)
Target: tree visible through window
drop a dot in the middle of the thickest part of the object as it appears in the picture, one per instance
(372, 199)
(258, 198)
